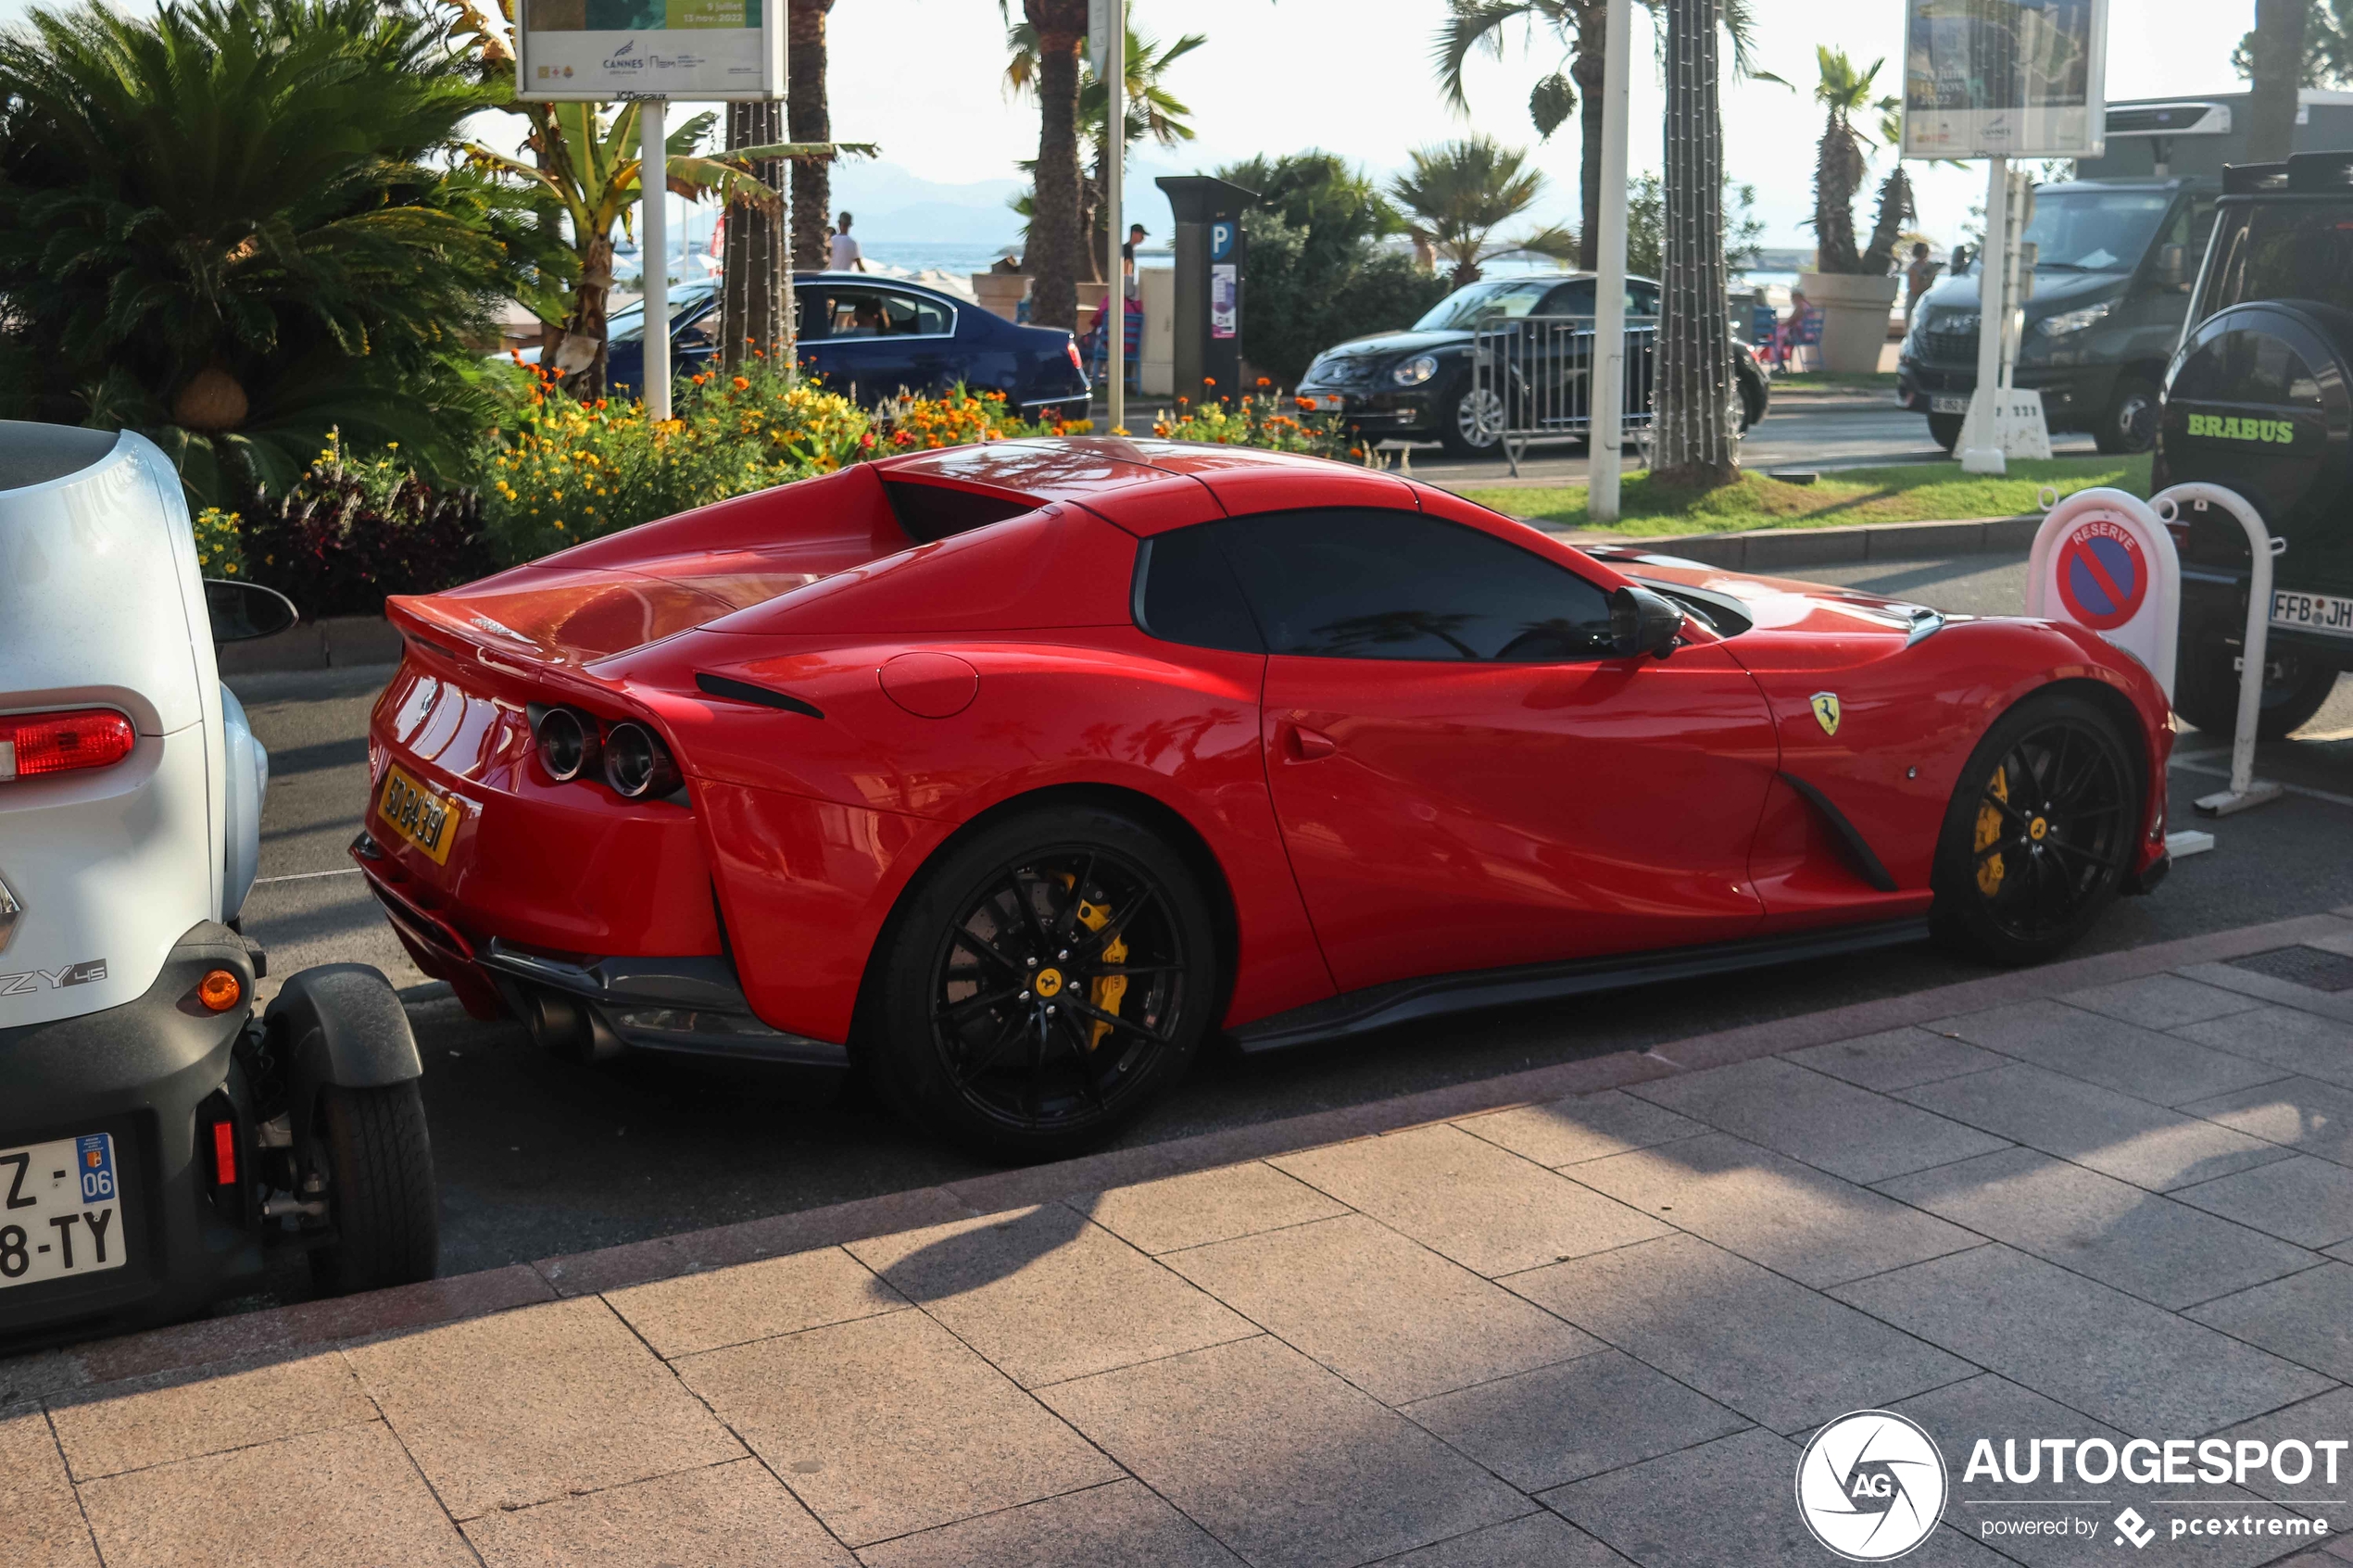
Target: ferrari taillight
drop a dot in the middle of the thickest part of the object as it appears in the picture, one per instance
(35, 744)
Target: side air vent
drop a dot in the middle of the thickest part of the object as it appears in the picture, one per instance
(744, 691)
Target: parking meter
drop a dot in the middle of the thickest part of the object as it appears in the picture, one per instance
(1211, 263)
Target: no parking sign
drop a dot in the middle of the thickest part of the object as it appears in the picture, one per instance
(2104, 562)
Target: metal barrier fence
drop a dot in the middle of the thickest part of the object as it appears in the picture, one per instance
(1531, 379)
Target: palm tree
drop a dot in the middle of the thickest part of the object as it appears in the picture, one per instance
(2275, 68)
(588, 162)
(234, 225)
(1693, 430)
(812, 121)
(584, 163)
(1151, 110)
(1582, 29)
(1056, 241)
(1460, 192)
(1840, 164)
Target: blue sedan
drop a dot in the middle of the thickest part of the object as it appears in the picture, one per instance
(870, 336)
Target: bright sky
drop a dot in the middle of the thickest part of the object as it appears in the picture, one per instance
(923, 78)
(1354, 76)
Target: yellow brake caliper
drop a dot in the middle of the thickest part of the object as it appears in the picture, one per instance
(1110, 990)
(1989, 833)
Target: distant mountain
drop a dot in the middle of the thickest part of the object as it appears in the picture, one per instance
(939, 222)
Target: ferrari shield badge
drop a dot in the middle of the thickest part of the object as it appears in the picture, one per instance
(1826, 711)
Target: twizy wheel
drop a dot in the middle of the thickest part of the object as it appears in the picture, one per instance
(371, 1156)
(2039, 832)
(1047, 981)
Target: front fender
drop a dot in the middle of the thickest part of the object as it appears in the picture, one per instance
(340, 1025)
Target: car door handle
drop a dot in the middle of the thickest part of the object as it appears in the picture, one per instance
(1307, 744)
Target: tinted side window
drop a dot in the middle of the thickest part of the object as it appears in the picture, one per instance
(1186, 592)
(2291, 250)
(1364, 583)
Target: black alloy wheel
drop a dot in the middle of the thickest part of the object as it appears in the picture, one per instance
(1051, 979)
(2040, 831)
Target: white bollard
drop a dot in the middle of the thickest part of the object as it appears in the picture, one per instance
(2246, 789)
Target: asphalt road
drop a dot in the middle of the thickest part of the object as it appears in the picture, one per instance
(536, 1158)
(1805, 429)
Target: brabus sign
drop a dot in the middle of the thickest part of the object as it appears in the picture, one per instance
(2231, 427)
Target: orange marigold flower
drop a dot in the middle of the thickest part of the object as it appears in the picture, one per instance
(1209, 380)
(1264, 380)
(743, 383)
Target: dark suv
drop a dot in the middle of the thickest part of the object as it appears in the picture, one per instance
(2259, 397)
(2114, 263)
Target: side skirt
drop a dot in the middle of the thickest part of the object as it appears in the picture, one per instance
(1379, 1007)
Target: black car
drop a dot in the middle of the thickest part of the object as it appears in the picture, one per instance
(1418, 383)
(2260, 399)
(2114, 262)
(870, 337)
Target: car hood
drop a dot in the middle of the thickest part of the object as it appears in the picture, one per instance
(2055, 290)
(1387, 345)
(1774, 604)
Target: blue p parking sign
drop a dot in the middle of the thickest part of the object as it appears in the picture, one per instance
(1221, 239)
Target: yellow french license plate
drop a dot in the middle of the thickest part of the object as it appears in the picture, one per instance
(416, 813)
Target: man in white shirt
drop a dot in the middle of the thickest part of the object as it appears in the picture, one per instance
(846, 257)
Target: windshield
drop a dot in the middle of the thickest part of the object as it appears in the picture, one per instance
(628, 324)
(2084, 231)
(1501, 296)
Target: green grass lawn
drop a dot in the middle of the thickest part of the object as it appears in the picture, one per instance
(1911, 493)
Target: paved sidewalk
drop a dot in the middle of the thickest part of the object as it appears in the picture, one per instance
(2111, 1198)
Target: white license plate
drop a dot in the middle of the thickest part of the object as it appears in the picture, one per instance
(1332, 402)
(59, 1208)
(1945, 403)
(2312, 613)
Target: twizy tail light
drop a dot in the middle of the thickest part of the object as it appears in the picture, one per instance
(636, 764)
(567, 742)
(63, 743)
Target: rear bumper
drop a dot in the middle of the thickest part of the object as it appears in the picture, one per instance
(592, 1006)
(139, 1071)
(2214, 617)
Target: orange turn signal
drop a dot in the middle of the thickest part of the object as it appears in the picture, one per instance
(219, 990)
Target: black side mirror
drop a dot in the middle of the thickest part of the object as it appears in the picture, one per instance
(1642, 621)
(242, 611)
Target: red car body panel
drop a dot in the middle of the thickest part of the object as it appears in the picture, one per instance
(1370, 821)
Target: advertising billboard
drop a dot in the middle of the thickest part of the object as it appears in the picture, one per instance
(2005, 79)
(607, 49)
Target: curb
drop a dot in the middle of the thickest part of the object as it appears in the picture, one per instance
(281, 1331)
(1767, 549)
(331, 643)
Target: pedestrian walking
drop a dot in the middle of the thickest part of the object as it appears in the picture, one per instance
(846, 257)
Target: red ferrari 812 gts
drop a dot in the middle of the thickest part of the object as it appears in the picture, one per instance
(1009, 773)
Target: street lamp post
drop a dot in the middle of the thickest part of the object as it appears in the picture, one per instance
(653, 251)
(1108, 22)
(1604, 428)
